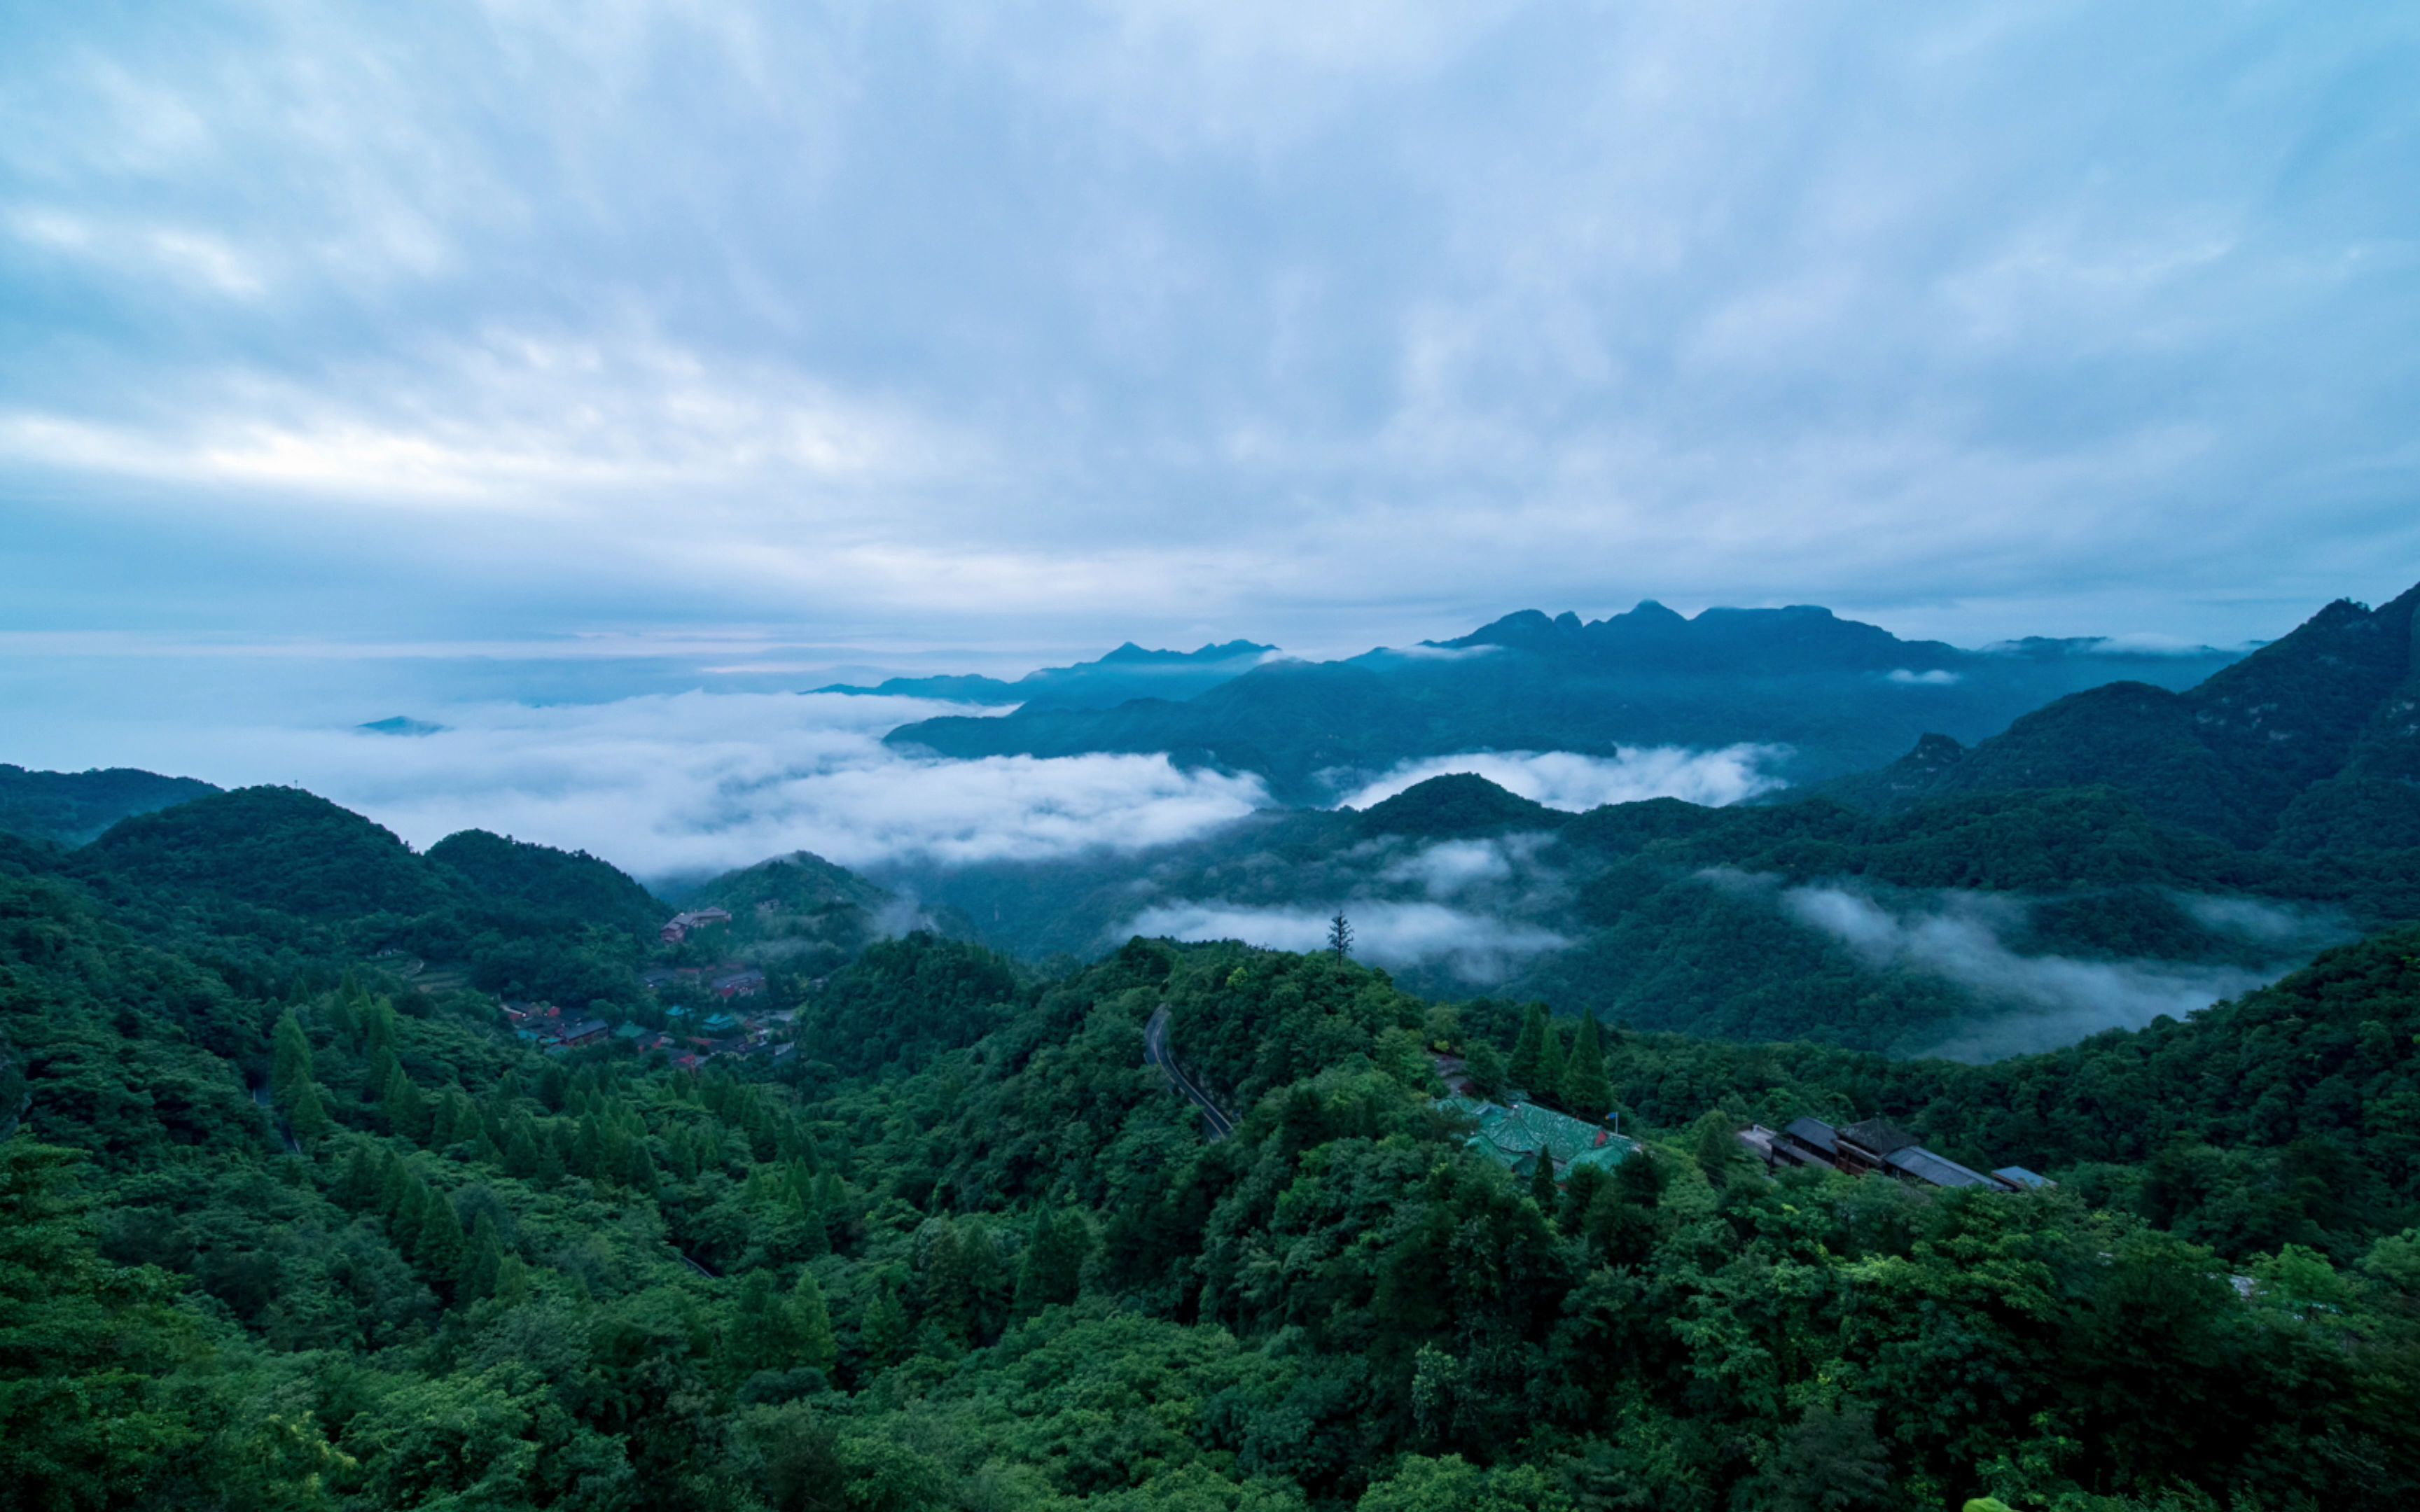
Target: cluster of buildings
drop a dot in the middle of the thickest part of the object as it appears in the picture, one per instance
(551, 1029)
(694, 1036)
(732, 978)
(1876, 1145)
(688, 921)
(1521, 1136)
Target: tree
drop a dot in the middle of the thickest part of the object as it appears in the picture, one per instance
(483, 1261)
(882, 1333)
(1587, 1091)
(810, 1330)
(1528, 1048)
(1053, 1266)
(1832, 1461)
(1542, 1181)
(291, 1066)
(440, 1244)
(1340, 937)
(308, 1113)
(1548, 1088)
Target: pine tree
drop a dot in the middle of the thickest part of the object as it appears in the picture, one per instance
(883, 1331)
(440, 1247)
(360, 1186)
(406, 1110)
(949, 1291)
(588, 1151)
(758, 1338)
(482, 1262)
(290, 1071)
(1548, 1088)
(1523, 1071)
(411, 1215)
(1053, 1270)
(811, 1323)
(1542, 1181)
(512, 1281)
(1587, 1092)
(521, 1158)
(1340, 937)
(308, 1114)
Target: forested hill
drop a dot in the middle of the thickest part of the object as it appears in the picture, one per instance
(965, 1250)
(70, 808)
(1839, 695)
(2311, 743)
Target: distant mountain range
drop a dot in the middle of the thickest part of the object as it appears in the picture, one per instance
(2109, 856)
(2124, 849)
(2312, 744)
(1124, 674)
(1833, 696)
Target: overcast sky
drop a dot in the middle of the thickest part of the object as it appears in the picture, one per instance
(873, 333)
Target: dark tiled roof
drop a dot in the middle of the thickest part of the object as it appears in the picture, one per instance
(1813, 1132)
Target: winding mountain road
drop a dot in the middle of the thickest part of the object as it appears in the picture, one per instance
(1154, 1049)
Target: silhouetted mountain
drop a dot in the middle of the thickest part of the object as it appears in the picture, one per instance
(1128, 672)
(1827, 695)
(70, 808)
(2311, 743)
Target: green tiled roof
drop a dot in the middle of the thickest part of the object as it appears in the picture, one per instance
(1516, 1136)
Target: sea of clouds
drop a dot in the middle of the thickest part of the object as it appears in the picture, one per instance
(683, 784)
(692, 783)
(2038, 1002)
(1569, 780)
(1398, 936)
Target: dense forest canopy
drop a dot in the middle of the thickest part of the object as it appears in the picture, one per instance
(283, 1226)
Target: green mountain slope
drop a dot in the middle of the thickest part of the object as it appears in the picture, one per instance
(502, 874)
(70, 808)
(271, 847)
(969, 1251)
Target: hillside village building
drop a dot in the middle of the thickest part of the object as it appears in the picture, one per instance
(682, 924)
(1875, 1145)
(1518, 1136)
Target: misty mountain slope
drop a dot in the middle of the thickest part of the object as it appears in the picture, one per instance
(1830, 696)
(72, 808)
(1124, 674)
(2311, 743)
(2035, 916)
(805, 912)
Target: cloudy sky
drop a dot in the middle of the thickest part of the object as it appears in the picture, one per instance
(796, 336)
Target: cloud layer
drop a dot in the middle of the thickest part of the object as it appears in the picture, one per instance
(700, 783)
(1186, 320)
(2027, 1002)
(1568, 780)
(1397, 935)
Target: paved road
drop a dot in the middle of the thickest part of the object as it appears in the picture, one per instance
(1154, 1049)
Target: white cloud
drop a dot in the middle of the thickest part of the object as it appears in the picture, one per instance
(1937, 677)
(2031, 1002)
(1455, 866)
(1569, 780)
(703, 782)
(1396, 935)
